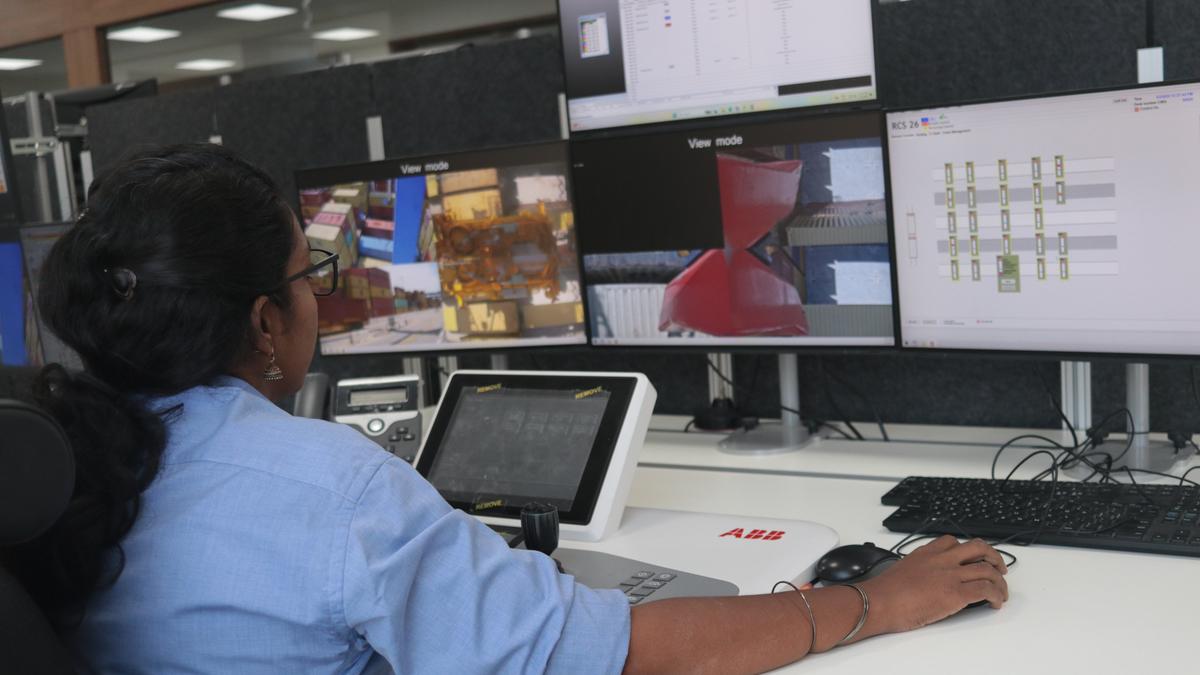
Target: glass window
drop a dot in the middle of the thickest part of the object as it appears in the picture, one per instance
(39, 66)
(235, 40)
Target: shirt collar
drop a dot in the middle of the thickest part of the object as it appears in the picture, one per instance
(237, 383)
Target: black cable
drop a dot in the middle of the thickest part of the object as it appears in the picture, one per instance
(833, 402)
(920, 535)
(1185, 473)
(1067, 457)
(1099, 427)
(1057, 407)
(1008, 443)
(834, 427)
(731, 383)
(854, 390)
(1182, 479)
(753, 390)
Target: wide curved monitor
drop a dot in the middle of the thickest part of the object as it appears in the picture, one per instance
(471, 250)
(1056, 224)
(746, 235)
(632, 62)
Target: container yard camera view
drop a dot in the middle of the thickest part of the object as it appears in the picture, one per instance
(472, 250)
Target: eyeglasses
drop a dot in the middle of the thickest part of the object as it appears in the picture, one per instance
(322, 273)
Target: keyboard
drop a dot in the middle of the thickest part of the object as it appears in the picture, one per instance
(1143, 518)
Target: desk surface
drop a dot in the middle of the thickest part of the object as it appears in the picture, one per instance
(915, 450)
(1070, 610)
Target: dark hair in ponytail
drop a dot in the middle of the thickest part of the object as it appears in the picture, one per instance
(153, 288)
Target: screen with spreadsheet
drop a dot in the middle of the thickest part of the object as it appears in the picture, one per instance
(1059, 224)
(640, 61)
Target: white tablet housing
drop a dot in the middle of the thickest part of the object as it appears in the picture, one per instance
(501, 439)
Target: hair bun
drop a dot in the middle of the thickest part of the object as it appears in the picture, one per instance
(123, 281)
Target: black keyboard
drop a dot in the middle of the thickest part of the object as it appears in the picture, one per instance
(1143, 518)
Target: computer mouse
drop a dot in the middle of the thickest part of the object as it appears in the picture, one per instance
(852, 563)
(859, 562)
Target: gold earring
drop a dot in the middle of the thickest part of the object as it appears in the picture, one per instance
(272, 373)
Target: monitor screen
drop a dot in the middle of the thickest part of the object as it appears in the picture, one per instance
(768, 234)
(636, 61)
(9, 207)
(457, 251)
(43, 345)
(502, 439)
(538, 444)
(1058, 224)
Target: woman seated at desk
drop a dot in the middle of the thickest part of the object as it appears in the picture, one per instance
(212, 531)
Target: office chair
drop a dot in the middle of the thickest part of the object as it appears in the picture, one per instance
(37, 475)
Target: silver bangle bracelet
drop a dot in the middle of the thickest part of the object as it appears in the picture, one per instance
(812, 621)
(862, 620)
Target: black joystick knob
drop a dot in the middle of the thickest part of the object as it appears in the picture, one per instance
(539, 526)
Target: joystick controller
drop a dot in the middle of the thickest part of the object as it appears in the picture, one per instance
(539, 527)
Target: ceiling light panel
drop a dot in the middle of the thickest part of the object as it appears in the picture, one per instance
(205, 64)
(142, 34)
(19, 64)
(256, 12)
(347, 34)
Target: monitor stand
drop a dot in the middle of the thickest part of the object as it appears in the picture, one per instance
(773, 439)
(499, 361)
(1143, 453)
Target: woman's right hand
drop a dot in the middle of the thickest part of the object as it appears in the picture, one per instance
(934, 582)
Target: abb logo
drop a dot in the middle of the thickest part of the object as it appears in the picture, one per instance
(765, 535)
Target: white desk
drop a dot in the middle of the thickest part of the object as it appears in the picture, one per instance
(916, 450)
(1071, 610)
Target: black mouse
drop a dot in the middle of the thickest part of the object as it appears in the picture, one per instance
(858, 562)
(855, 562)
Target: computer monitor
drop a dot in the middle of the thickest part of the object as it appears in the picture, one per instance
(10, 208)
(635, 62)
(1053, 224)
(471, 250)
(43, 346)
(768, 234)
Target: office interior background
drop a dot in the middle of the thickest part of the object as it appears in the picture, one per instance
(296, 91)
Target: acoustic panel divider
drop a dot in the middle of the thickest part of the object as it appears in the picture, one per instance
(472, 97)
(943, 51)
(1174, 29)
(120, 128)
(299, 121)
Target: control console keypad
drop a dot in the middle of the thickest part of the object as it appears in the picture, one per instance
(643, 583)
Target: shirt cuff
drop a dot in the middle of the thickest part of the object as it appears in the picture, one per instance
(595, 636)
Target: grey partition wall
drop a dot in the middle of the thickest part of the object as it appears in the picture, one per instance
(471, 97)
(123, 127)
(928, 51)
(1174, 28)
(944, 51)
(287, 123)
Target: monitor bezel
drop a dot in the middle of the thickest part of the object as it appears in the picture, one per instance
(587, 496)
(1038, 354)
(325, 176)
(815, 350)
(652, 127)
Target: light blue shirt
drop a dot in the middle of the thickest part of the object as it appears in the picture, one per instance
(276, 544)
